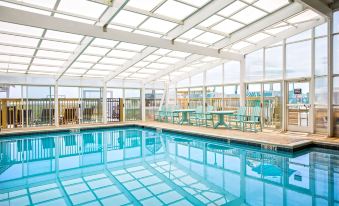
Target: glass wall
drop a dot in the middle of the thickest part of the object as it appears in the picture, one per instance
(132, 104)
(254, 66)
(214, 97)
(231, 97)
(91, 105)
(336, 72)
(196, 97)
(152, 102)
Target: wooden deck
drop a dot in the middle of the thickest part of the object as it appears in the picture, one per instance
(288, 139)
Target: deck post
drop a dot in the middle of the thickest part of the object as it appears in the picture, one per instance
(104, 103)
(56, 104)
(4, 113)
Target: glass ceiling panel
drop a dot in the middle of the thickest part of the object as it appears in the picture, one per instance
(168, 60)
(270, 5)
(48, 62)
(44, 3)
(58, 45)
(147, 5)
(60, 55)
(232, 8)
(17, 40)
(211, 21)
(149, 71)
(122, 54)
(248, 15)
(162, 51)
(179, 54)
(24, 8)
(128, 18)
(16, 50)
(141, 64)
(44, 68)
(175, 10)
(161, 25)
(209, 38)
(198, 3)
(122, 28)
(105, 67)
(138, 75)
(192, 33)
(278, 28)
(82, 65)
(72, 18)
(76, 71)
(98, 72)
(10, 58)
(82, 7)
(104, 43)
(151, 58)
(116, 61)
(157, 66)
(132, 69)
(88, 58)
(227, 26)
(63, 36)
(16, 28)
(95, 50)
(240, 45)
(186, 69)
(129, 46)
(257, 37)
(13, 66)
(304, 16)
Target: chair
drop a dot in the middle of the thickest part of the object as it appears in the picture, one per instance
(197, 115)
(171, 114)
(254, 119)
(239, 118)
(208, 116)
(160, 114)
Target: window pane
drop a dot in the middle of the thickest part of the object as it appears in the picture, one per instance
(114, 93)
(298, 59)
(304, 35)
(336, 22)
(214, 76)
(273, 63)
(321, 30)
(132, 93)
(336, 90)
(320, 56)
(231, 97)
(336, 54)
(68, 92)
(183, 83)
(232, 72)
(254, 66)
(197, 80)
(321, 91)
(39, 92)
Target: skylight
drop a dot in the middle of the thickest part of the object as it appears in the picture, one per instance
(209, 38)
(18, 40)
(270, 5)
(82, 7)
(131, 47)
(48, 62)
(51, 54)
(232, 8)
(240, 45)
(88, 58)
(227, 26)
(10, 58)
(104, 43)
(63, 36)
(175, 10)
(258, 37)
(304, 16)
(58, 45)
(248, 15)
(211, 21)
(115, 61)
(162, 26)
(192, 33)
(16, 50)
(147, 5)
(198, 3)
(96, 50)
(128, 18)
(122, 54)
(15, 28)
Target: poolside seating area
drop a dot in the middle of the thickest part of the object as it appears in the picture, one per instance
(243, 119)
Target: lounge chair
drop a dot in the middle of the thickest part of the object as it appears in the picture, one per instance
(253, 120)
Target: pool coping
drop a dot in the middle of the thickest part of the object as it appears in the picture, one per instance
(291, 147)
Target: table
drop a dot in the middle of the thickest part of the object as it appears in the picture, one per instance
(184, 115)
(221, 120)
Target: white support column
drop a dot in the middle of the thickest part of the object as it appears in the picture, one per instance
(166, 93)
(312, 85)
(104, 103)
(242, 83)
(204, 92)
(330, 118)
(284, 93)
(56, 104)
(143, 104)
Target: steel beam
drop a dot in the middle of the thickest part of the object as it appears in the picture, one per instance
(318, 6)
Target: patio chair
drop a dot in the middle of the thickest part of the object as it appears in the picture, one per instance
(253, 120)
(160, 114)
(197, 115)
(239, 118)
(207, 117)
(171, 114)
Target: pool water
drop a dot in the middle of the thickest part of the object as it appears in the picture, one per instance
(135, 166)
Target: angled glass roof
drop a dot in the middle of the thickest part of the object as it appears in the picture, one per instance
(31, 50)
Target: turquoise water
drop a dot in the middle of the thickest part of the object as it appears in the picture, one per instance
(133, 166)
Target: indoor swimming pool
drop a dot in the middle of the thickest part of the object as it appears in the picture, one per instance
(138, 166)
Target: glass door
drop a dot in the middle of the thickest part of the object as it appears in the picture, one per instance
(298, 107)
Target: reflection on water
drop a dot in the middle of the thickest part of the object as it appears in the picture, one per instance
(142, 167)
